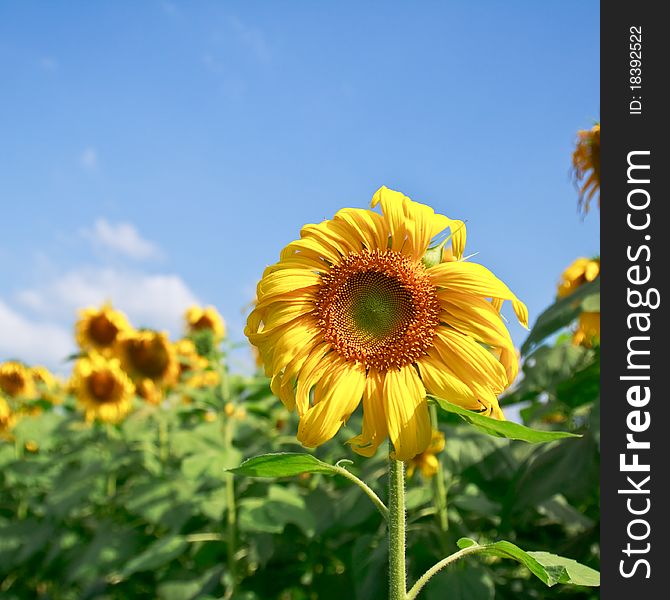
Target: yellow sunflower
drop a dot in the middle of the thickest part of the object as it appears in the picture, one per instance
(588, 330)
(427, 461)
(49, 386)
(189, 359)
(352, 311)
(586, 165)
(7, 418)
(103, 389)
(149, 391)
(148, 355)
(16, 381)
(98, 328)
(581, 271)
(208, 318)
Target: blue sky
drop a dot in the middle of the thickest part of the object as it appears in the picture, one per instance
(160, 153)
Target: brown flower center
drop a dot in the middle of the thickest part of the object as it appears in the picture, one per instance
(12, 383)
(149, 357)
(102, 330)
(102, 386)
(203, 322)
(378, 307)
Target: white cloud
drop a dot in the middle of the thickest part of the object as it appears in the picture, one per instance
(35, 342)
(122, 238)
(253, 39)
(49, 63)
(150, 300)
(89, 159)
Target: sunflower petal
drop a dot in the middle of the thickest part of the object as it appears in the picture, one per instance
(374, 417)
(407, 415)
(336, 397)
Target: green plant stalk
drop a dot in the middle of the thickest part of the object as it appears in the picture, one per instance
(439, 485)
(163, 447)
(231, 512)
(396, 526)
(423, 580)
(376, 500)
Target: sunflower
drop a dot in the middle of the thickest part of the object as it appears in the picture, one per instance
(587, 333)
(427, 461)
(103, 389)
(98, 328)
(208, 318)
(189, 359)
(581, 271)
(586, 165)
(352, 311)
(149, 391)
(7, 418)
(148, 355)
(16, 381)
(49, 386)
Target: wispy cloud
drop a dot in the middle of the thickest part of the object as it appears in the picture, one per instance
(150, 300)
(33, 341)
(121, 238)
(88, 159)
(49, 63)
(253, 38)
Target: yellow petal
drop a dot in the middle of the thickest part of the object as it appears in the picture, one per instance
(471, 278)
(285, 281)
(337, 395)
(366, 225)
(374, 417)
(407, 415)
(441, 382)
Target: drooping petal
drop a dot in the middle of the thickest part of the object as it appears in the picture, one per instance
(475, 279)
(336, 396)
(407, 415)
(374, 417)
(441, 382)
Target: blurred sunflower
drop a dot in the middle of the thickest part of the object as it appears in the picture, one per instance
(148, 355)
(586, 165)
(49, 387)
(98, 328)
(587, 333)
(149, 391)
(581, 271)
(352, 311)
(16, 380)
(7, 418)
(103, 389)
(208, 318)
(427, 461)
(189, 359)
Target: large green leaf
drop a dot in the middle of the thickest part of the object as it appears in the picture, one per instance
(549, 568)
(562, 313)
(506, 429)
(282, 464)
(156, 555)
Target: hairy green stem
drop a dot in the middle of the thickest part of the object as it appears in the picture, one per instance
(396, 526)
(439, 485)
(376, 500)
(423, 580)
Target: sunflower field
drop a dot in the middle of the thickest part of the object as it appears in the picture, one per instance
(154, 471)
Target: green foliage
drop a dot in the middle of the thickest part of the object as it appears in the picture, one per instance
(143, 509)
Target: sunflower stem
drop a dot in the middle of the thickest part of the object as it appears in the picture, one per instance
(396, 520)
(439, 485)
(231, 513)
(376, 500)
(423, 580)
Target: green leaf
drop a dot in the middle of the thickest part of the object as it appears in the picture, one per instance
(156, 555)
(282, 464)
(562, 313)
(506, 429)
(549, 568)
